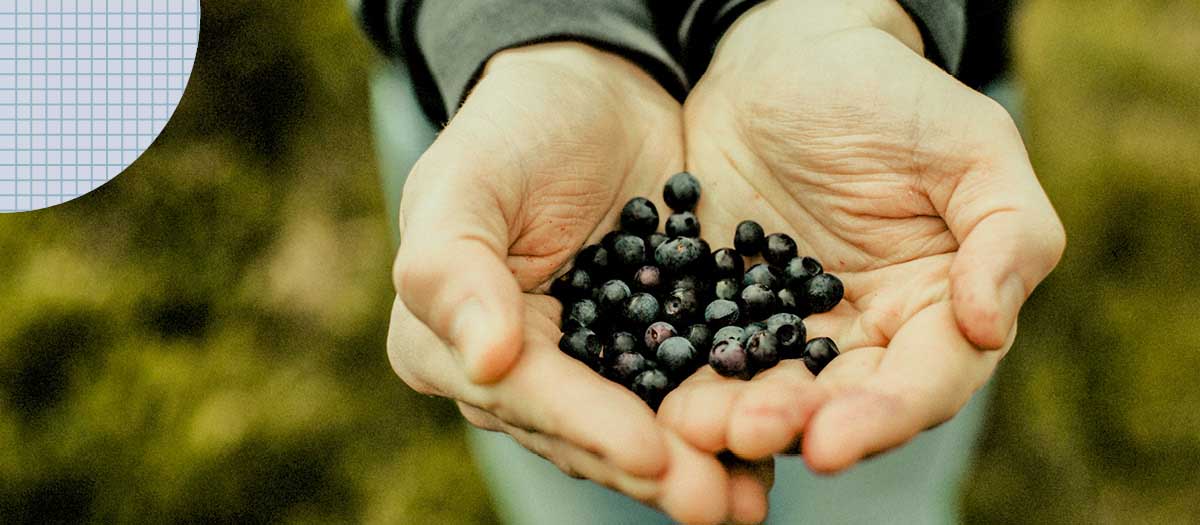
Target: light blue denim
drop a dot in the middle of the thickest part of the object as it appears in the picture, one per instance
(918, 483)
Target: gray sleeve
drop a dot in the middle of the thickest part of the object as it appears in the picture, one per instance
(943, 25)
(446, 43)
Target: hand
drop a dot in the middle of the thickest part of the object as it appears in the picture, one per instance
(551, 143)
(825, 122)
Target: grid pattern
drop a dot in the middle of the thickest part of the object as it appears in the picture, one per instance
(85, 87)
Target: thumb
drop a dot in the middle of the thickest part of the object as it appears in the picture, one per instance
(451, 270)
(1009, 240)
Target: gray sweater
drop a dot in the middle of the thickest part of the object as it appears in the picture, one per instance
(445, 43)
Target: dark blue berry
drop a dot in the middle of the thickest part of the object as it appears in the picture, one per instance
(823, 292)
(699, 335)
(761, 274)
(582, 344)
(626, 366)
(575, 284)
(609, 241)
(683, 224)
(721, 313)
(731, 332)
(594, 259)
(621, 343)
(799, 270)
(647, 279)
(652, 386)
(629, 251)
(584, 313)
(763, 350)
(759, 301)
(728, 358)
(654, 240)
(754, 328)
(781, 248)
(681, 306)
(687, 282)
(818, 353)
(641, 309)
(792, 302)
(657, 333)
(749, 238)
(611, 295)
(678, 255)
(790, 332)
(682, 191)
(639, 217)
(728, 263)
(727, 289)
(677, 357)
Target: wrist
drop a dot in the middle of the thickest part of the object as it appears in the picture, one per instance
(816, 18)
(576, 60)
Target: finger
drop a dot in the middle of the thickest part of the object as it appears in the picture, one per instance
(927, 374)
(749, 487)
(695, 488)
(546, 392)
(1009, 235)
(450, 269)
(698, 410)
(571, 460)
(772, 410)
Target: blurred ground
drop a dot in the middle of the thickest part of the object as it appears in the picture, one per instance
(202, 339)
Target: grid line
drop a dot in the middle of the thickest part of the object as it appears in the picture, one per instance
(85, 87)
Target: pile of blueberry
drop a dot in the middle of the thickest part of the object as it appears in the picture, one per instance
(647, 309)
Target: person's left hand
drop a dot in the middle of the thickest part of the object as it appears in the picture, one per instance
(824, 120)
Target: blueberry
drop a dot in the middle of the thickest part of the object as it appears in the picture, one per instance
(792, 302)
(761, 274)
(654, 240)
(678, 255)
(652, 386)
(657, 333)
(763, 350)
(621, 343)
(780, 249)
(728, 263)
(682, 191)
(574, 284)
(721, 313)
(749, 238)
(627, 365)
(629, 251)
(593, 258)
(582, 344)
(731, 332)
(799, 270)
(641, 309)
(818, 353)
(687, 282)
(609, 240)
(699, 335)
(754, 328)
(728, 358)
(677, 357)
(789, 330)
(683, 224)
(727, 289)
(611, 295)
(584, 313)
(639, 216)
(647, 279)
(681, 306)
(823, 292)
(759, 301)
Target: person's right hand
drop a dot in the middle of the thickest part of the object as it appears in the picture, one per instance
(551, 143)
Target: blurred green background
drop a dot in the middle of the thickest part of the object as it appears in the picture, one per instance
(203, 338)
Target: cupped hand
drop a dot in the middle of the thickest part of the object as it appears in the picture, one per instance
(551, 143)
(823, 120)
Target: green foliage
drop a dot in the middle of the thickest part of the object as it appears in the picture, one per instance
(202, 339)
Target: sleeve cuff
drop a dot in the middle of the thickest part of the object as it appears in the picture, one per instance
(943, 25)
(456, 39)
